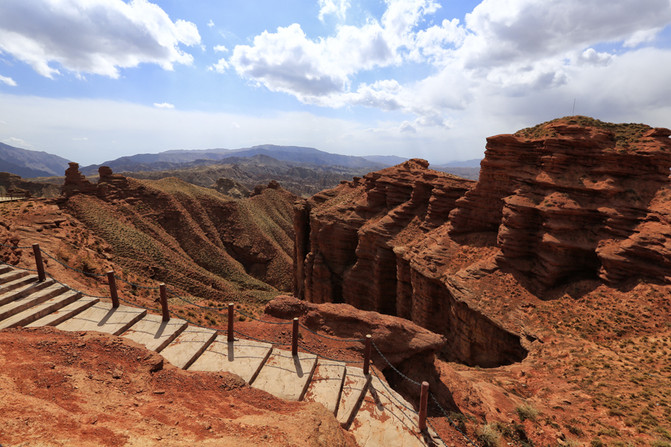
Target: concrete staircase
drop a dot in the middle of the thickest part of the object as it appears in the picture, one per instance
(364, 405)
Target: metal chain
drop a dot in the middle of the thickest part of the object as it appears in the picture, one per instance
(262, 321)
(414, 382)
(392, 395)
(452, 423)
(72, 268)
(22, 247)
(137, 286)
(344, 340)
(259, 339)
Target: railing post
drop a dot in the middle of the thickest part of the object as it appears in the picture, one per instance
(366, 354)
(164, 302)
(113, 292)
(41, 276)
(231, 312)
(294, 338)
(423, 402)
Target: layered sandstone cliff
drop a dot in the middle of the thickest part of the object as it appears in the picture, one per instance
(575, 198)
(570, 199)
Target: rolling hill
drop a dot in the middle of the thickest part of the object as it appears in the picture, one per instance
(28, 164)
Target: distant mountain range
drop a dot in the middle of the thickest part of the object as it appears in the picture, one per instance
(30, 164)
(175, 159)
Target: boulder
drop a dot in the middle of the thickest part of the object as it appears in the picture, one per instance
(396, 338)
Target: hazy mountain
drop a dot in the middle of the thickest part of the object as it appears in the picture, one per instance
(174, 159)
(29, 164)
(473, 163)
(386, 160)
(299, 178)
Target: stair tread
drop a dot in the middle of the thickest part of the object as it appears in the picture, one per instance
(102, 317)
(60, 315)
(30, 300)
(154, 333)
(353, 386)
(186, 348)
(326, 384)
(33, 313)
(382, 420)
(9, 289)
(286, 376)
(242, 357)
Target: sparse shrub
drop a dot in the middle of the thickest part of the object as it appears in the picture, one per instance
(488, 435)
(526, 411)
(596, 443)
(660, 443)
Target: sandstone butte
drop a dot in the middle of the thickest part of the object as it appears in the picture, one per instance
(549, 278)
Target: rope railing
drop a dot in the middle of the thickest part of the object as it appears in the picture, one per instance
(422, 425)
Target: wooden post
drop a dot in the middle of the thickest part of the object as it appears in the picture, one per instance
(423, 402)
(41, 276)
(164, 302)
(366, 355)
(294, 339)
(231, 312)
(113, 292)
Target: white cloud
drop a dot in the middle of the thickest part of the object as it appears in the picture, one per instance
(93, 36)
(220, 49)
(210, 24)
(512, 31)
(336, 7)
(164, 105)
(7, 81)
(17, 142)
(220, 67)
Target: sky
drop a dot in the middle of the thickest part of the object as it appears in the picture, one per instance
(94, 80)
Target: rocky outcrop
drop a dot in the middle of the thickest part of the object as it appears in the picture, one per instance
(567, 200)
(575, 198)
(76, 183)
(354, 245)
(397, 339)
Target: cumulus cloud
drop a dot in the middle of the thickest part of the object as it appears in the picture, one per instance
(164, 105)
(509, 48)
(336, 7)
(220, 49)
(93, 36)
(7, 81)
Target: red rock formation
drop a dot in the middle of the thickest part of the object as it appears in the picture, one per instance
(572, 198)
(351, 245)
(396, 338)
(75, 182)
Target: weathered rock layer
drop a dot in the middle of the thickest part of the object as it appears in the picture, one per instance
(569, 199)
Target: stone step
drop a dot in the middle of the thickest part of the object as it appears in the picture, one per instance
(383, 419)
(5, 269)
(67, 312)
(36, 312)
(286, 376)
(9, 291)
(30, 300)
(326, 384)
(154, 333)
(102, 317)
(11, 275)
(190, 344)
(354, 389)
(242, 357)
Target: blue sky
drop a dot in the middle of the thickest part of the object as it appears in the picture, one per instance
(93, 80)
